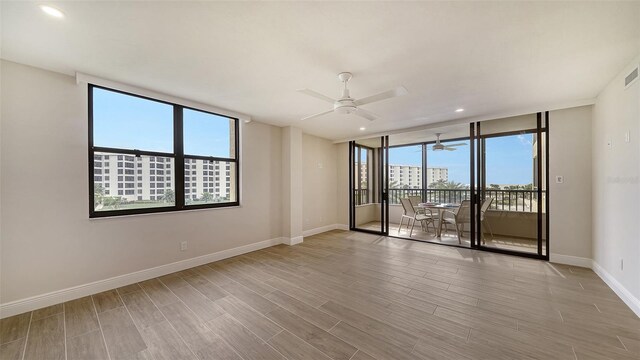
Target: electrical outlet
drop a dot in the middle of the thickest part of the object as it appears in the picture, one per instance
(609, 144)
(183, 246)
(559, 179)
(627, 137)
(621, 264)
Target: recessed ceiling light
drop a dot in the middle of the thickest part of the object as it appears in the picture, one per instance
(52, 11)
(460, 110)
(363, 128)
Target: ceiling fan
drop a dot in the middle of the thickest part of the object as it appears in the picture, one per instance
(449, 147)
(348, 105)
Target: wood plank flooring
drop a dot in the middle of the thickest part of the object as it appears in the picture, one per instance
(344, 296)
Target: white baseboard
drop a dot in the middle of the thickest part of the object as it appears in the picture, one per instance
(325, 228)
(59, 296)
(570, 260)
(292, 241)
(624, 294)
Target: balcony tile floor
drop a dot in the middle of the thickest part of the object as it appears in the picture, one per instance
(450, 238)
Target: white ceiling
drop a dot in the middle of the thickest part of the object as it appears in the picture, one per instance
(489, 58)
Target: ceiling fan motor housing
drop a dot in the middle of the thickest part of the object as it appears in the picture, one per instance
(344, 106)
(348, 105)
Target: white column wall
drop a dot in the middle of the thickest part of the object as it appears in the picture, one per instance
(292, 185)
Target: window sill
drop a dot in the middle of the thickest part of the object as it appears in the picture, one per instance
(167, 212)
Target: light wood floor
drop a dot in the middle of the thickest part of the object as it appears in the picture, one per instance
(341, 295)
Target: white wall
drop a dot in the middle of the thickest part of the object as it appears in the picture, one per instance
(292, 185)
(320, 183)
(367, 213)
(616, 184)
(570, 202)
(48, 242)
(343, 182)
(1, 247)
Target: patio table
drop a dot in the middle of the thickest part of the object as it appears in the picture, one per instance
(440, 208)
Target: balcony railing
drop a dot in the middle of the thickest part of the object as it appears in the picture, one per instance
(506, 200)
(361, 196)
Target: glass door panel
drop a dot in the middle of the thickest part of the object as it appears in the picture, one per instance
(448, 176)
(512, 189)
(368, 185)
(429, 177)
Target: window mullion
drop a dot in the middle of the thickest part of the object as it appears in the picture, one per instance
(134, 152)
(178, 149)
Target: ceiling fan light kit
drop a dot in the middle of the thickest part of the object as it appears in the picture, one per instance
(348, 105)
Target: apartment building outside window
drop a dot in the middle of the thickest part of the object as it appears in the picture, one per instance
(168, 146)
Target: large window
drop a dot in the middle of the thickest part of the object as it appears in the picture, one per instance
(147, 155)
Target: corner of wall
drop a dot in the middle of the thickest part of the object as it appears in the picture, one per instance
(616, 189)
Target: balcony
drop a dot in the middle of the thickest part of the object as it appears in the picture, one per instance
(512, 216)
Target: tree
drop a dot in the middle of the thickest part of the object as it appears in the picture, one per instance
(494, 186)
(394, 184)
(207, 197)
(98, 194)
(449, 185)
(527, 187)
(169, 196)
(113, 201)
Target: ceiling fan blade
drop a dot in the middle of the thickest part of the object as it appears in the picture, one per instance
(365, 114)
(449, 148)
(453, 145)
(316, 115)
(399, 91)
(316, 95)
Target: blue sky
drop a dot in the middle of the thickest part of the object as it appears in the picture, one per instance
(128, 122)
(509, 159)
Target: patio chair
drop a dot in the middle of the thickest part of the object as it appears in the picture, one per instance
(415, 201)
(412, 216)
(459, 217)
(483, 219)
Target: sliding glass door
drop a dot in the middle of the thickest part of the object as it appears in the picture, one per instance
(429, 179)
(512, 201)
(368, 177)
(482, 185)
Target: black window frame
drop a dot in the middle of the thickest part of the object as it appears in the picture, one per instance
(178, 155)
